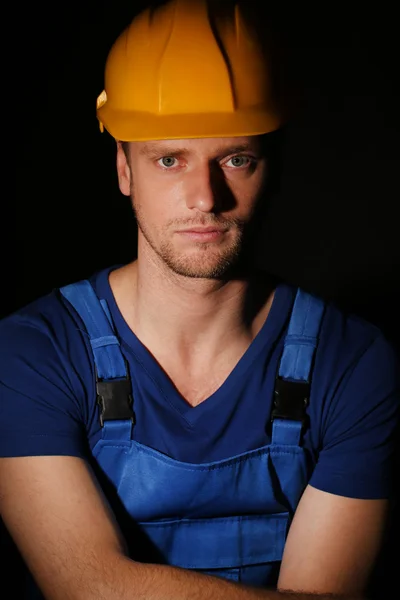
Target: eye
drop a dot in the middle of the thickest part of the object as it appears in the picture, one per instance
(167, 162)
(239, 162)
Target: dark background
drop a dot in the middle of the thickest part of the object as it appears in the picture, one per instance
(332, 227)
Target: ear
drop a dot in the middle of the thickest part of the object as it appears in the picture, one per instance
(123, 171)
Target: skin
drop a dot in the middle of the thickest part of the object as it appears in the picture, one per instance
(202, 182)
(187, 301)
(184, 292)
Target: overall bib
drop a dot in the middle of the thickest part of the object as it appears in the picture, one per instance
(228, 518)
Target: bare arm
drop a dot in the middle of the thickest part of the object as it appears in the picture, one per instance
(57, 516)
(333, 543)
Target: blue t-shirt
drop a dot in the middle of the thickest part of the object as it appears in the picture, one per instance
(48, 400)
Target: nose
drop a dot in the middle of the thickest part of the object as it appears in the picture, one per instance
(200, 189)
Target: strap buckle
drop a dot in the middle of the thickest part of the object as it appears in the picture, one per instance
(115, 399)
(291, 399)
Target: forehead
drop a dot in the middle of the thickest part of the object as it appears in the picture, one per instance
(210, 147)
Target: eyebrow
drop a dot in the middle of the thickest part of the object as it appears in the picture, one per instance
(154, 150)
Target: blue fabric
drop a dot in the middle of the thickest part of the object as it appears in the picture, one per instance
(47, 395)
(286, 431)
(299, 348)
(119, 431)
(107, 355)
(222, 542)
(228, 517)
(302, 337)
(168, 504)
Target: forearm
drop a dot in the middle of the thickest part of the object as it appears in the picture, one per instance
(136, 581)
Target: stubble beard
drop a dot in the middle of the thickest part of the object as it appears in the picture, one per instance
(204, 260)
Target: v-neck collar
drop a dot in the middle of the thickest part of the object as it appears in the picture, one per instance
(264, 341)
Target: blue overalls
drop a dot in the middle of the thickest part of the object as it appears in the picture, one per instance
(229, 518)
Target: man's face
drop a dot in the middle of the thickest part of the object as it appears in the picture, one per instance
(193, 199)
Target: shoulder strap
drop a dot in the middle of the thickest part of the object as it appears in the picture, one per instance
(302, 337)
(112, 374)
(293, 382)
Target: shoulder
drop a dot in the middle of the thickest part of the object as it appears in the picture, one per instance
(45, 345)
(42, 394)
(50, 317)
(349, 344)
(351, 347)
(348, 329)
(42, 324)
(46, 380)
(354, 407)
(343, 337)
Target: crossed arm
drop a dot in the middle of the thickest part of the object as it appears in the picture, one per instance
(68, 537)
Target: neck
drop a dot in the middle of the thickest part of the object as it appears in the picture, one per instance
(188, 317)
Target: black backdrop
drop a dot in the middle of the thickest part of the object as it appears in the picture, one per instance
(332, 228)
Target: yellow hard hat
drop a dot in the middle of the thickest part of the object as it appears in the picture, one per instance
(187, 70)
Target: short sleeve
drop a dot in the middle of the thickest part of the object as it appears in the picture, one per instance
(40, 409)
(360, 428)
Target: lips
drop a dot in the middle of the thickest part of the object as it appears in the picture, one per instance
(203, 230)
(203, 234)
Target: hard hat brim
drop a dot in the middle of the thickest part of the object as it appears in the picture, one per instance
(128, 126)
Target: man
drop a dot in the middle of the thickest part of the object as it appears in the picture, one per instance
(182, 427)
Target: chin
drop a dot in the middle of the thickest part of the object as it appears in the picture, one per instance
(202, 267)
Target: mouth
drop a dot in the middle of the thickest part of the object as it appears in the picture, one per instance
(203, 234)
